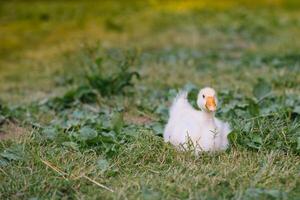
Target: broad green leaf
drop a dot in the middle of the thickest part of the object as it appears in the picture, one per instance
(72, 123)
(163, 112)
(296, 110)
(172, 94)
(117, 122)
(149, 194)
(189, 87)
(108, 137)
(50, 133)
(247, 127)
(298, 143)
(72, 145)
(252, 145)
(33, 198)
(13, 153)
(158, 128)
(10, 155)
(253, 107)
(3, 162)
(102, 164)
(271, 108)
(257, 139)
(78, 114)
(86, 133)
(232, 137)
(261, 89)
(2, 119)
(258, 193)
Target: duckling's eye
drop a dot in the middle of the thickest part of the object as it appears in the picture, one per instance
(203, 96)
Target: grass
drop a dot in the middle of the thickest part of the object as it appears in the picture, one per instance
(153, 170)
(66, 133)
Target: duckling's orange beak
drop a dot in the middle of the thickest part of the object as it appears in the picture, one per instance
(211, 104)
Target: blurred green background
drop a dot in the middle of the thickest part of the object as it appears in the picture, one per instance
(39, 37)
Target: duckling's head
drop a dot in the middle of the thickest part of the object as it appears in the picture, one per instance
(207, 99)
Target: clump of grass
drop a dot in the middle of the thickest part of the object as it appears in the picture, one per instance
(97, 83)
(114, 84)
(79, 128)
(8, 113)
(290, 60)
(3, 113)
(249, 116)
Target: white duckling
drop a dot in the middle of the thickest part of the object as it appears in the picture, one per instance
(185, 124)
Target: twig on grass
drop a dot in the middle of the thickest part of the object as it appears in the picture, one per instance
(148, 115)
(3, 172)
(59, 171)
(97, 183)
(54, 168)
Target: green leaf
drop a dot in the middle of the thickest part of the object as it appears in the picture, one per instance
(33, 198)
(10, 155)
(298, 143)
(189, 87)
(255, 142)
(3, 162)
(50, 133)
(14, 153)
(296, 110)
(117, 122)
(98, 61)
(149, 194)
(72, 123)
(261, 89)
(232, 137)
(2, 119)
(87, 133)
(158, 128)
(257, 139)
(253, 107)
(258, 193)
(163, 112)
(171, 94)
(102, 164)
(71, 145)
(247, 127)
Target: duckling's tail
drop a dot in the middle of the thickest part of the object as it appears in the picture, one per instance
(180, 103)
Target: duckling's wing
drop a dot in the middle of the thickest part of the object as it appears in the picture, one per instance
(180, 113)
(180, 104)
(224, 130)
